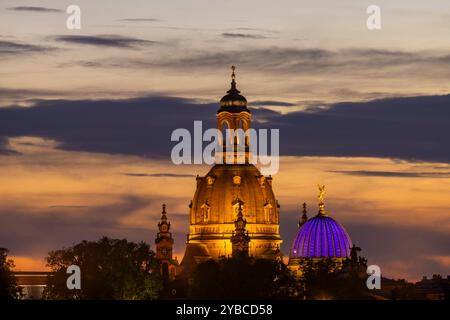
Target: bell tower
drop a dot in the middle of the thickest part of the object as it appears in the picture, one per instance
(164, 248)
(234, 117)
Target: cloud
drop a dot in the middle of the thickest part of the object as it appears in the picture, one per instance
(285, 60)
(14, 48)
(242, 35)
(396, 174)
(162, 175)
(68, 207)
(367, 67)
(104, 40)
(412, 128)
(35, 9)
(35, 233)
(262, 103)
(140, 20)
(5, 148)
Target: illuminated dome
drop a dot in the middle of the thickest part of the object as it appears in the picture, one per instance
(214, 209)
(321, 237)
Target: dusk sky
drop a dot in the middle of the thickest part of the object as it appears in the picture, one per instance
(86, 117)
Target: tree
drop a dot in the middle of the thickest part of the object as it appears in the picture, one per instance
(241, 278)
(110, 269)
(335, 279)
(8, 283)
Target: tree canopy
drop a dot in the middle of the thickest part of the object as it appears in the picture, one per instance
(334, 279)
(241, 278)
(8, 283)
(110, 269)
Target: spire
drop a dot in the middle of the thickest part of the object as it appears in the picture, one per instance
(164, 225)
(304, 216)
(321, 198)
(163, 213)
(233, 89)
(240, 239)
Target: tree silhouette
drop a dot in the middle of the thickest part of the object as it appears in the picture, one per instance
(241, 278)
(110, 269)
(8, 283)
(335, 279)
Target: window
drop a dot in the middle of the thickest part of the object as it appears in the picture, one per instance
(268, 212)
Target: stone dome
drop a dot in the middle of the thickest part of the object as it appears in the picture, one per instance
(214, 209)
(223, 185)
(321, 237)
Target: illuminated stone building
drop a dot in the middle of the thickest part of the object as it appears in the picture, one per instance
(320, 237)
(227, 186)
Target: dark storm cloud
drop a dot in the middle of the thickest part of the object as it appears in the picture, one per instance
(34, 9)
(243, 35)
(104, 40)
(159, 175)
(140, 126)
(396, 174)
(414, 128)
(14, 48)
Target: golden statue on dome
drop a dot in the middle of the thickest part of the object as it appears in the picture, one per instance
(321, 197)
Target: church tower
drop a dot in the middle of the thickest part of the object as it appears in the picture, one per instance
(164, 248)
(234, 190)
(234, 115)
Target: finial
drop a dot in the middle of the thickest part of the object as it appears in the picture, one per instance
(163, 213)
(233, 89)
(321, 197)
(304, 218)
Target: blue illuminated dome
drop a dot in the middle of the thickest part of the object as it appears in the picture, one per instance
(321, 237)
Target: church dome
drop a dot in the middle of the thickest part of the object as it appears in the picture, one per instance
(223, 185)
(220, 194)
(321, 237)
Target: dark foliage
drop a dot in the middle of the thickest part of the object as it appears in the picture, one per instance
(8, 283)
(241, 278)
(110, 269)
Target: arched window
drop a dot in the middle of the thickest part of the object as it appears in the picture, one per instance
(223, 130)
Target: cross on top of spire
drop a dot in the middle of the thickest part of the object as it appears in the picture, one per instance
(233, 89)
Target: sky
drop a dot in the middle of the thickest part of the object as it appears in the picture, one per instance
(86, 117)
